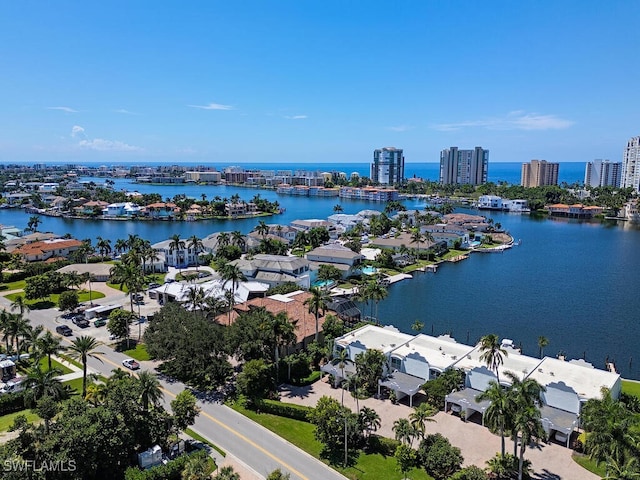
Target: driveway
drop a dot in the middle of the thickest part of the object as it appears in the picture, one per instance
(477, 443)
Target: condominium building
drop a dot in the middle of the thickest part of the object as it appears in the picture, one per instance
(602, 173)
(388, 166)
(462, 167)
(538, 173)
(631, 164)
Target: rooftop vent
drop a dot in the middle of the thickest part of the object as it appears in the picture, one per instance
(540, 370)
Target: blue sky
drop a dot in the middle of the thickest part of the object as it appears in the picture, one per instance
(314, 82)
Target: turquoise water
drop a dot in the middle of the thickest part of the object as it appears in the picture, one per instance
(369, 270)
(323, 283)
(574, 282)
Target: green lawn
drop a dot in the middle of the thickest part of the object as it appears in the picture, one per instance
(18, 285)
(367, 467)
(152, 278)
(70, 360)
(76, 385)
(7, 420)
(139, 352)
(44, 366)
(83, 296)
(585, 462)
(630, 387)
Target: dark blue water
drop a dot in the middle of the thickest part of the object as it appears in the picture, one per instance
(574, 282)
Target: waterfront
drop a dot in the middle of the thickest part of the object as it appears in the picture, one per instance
(573, 282)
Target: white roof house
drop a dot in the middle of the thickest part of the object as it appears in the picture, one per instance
(275, 269)
(425, 356)
(385, 339)
(179, 291)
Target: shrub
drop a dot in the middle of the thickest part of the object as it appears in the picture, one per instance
(171, 471)
(288, 410)
(382, 445)
(438, 457)
(507, 466)
(470, 473)
(11, 402)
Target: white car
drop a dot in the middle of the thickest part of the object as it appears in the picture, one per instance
(131, 364)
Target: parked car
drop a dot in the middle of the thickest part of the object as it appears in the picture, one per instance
(82, 322)
(154, 285)
(100, 322)
(131, 364)
(64, 330)
(138, 297)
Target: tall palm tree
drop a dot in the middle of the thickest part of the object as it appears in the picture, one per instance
(377, 292)
(542, 342)
(416, 237)
(120, 246)
(33, 223)
(195, 244)
(262, 228)
(96, 394)
(230, 299)
(73, 279)
(528, 424)
(49, 345)
(83, 348)
(232, 273)
(149, 388)
(125, 274)
(238, 239)
(420, 416)
(30, 337)
(316, 303)
(284, 332)
(498, 414)
(343, 356)
(223, 239)
(5, 326)
(492, 353)
(103, 245)
(176, 245)
(88, 277)
(196, 299)
(337, 208)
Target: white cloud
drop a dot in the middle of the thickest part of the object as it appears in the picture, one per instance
(212, 106)
(400, 128)
(63, 109)
(77, 130)
(102, 145)
(124, 111)
(296, 117)
(516, 120)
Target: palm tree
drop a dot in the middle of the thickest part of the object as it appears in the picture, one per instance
(150, 391)
(223, 239)
(528, 424)
(21, 305)
(237, 239)
(39, 383)
(33, 223)
(103, 245)
(284, 332)
(497, 415)
(227, 473)
(416, 237)
(30, 337)
(337, 208)
(317, 303)
(343, 356)
(125, 274)
(230, 298)
(420, 416)
(196, 299)
(82, 348)
(370, 420)
(232, 273)
(404, 431)
(262, 228)
(5, 327)
(96, 394)
(49, 345)
(195, 245)
(492, 353)
(176, 245)
(196, 467)
(120, 246)
(542, 342)
(377, 292)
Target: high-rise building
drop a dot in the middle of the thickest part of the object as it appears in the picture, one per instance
(388, 166)
(538, 173)
(602, 173)
(631, 164)
(462, 167)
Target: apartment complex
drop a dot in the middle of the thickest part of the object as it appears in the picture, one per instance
(631, 164)
(602, 173)
(538, 173)
(388, 166)
(462, 167)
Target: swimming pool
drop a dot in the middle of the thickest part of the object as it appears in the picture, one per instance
(369, 270)
(323, 283)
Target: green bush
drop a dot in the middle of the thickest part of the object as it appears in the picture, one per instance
(170, 471)
(11, 402)
(288, 410)
(382, 445)
(438, 457)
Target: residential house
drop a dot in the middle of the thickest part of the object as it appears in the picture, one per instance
(275, 269)
(46, 249)
(341, 257)
(176, 257)
(127, 209)
(162, 210)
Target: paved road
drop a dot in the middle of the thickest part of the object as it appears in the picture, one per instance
(254, 445)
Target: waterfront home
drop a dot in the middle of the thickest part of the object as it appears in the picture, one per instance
(93, 207)
(17, 198)
(176, 257)
(46, 249)
(306, 225)
(48, 187)
(10, 232)
(180, 291)
(12, 244)
(100, 272)
(126, 209)
(292, 304)
(574, 211)
(493, 202)
(341, 257)
(305, 191)
(211, 243)
(161, 210)
(630, 211)
(240, 208)
(449, 235)
(275, 269)
(404, 240)
(475, 223)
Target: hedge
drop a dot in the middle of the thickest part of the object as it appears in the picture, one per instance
(171, 471)
(11, 402)
(382, 445)
(289, 410)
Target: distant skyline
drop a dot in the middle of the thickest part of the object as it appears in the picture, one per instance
(316, 82)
